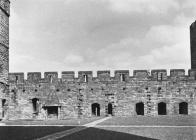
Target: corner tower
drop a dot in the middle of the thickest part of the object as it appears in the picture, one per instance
(193, 44)
(4, 40)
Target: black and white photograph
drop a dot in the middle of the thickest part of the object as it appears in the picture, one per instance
(97, 70)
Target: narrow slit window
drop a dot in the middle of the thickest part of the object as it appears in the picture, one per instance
(160, 76)
(16, 78)
(50, 78)
(122, 77)
(159, 92)
(85, 78)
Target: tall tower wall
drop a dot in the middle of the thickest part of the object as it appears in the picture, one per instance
(4, 55)
(4, 40)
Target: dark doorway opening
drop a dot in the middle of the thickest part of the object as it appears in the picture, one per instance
(95, 109)
(162, 108)
(3, 107)
(35, 105)
(140, 108)
(52, 112)
(183, 108)
(110, 109)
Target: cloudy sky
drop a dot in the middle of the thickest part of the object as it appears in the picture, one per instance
(59, 35)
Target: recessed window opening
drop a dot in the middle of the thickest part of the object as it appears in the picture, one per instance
(50, 78)
(3, 105)
(122, 77)
(160, 76)
(162, 108)
(16, 78)
(140, 108)
(35, 105)
(110, 109)
(3, 102)
(183, 108)
(95, 109)
(85, 78)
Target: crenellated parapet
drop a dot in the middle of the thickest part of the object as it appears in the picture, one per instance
(141, 74)
(34, 76)
(85, 76)
(68, 76)
(104, 76)
(122, 75)
(51, 77)
(159, 75)
(16, 77)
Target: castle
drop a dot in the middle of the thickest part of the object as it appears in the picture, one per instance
(145, 93)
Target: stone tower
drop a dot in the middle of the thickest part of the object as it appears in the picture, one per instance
(193, 44)
(4, 54)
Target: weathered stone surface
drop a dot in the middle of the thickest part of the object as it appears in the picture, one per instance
(74, 98)
(4, 57)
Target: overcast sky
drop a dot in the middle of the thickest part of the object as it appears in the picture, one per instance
(60, 35)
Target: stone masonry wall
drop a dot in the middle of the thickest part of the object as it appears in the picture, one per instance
(74, 96)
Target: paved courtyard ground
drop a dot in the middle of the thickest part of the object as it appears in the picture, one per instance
(103, 134)
(28, 132)
(70, 121)
(112, 128)
(183, 120)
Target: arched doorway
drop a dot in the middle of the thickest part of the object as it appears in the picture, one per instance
(162, 108)
(140, 108)
(95, 109)
(110, 109)
(183, 108)
(35, 105)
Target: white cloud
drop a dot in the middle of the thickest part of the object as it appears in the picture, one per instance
(73, 59)
(145, 6)
(99, 34)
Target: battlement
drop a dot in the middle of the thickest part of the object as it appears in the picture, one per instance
(119, 75)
